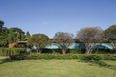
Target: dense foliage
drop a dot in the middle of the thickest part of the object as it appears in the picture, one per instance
(74, 51)
(39, 40)
(67, 56)
(4, 37)
(63, 41)
(16, 34)
(28, 34)
(110, 35)
(1, 24)
(10, 35)
(11, 51)
(90, 36)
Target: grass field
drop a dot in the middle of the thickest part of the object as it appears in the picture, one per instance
(56, 68)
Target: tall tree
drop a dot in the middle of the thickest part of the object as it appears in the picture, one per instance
(16, 34)
(16, 30)
(4, 37)
(22, 37)
(90, 36)
(110, 35)
(39, 40)
(63, 41)
(10, 35)
(27, 34)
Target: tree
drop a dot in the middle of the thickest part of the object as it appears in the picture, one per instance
(16, 34)
(90, 36)
(10, 35)
(4, 37)
(16, 30)
(39, 40)
(110, 35)
(1, 24)
(27, 34)
(63, 41)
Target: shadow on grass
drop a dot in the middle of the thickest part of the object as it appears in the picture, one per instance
(100, 64)
(5, 60)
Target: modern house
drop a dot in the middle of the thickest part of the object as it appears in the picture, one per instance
(76, 45)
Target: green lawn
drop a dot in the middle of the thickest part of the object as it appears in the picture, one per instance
(56, 68)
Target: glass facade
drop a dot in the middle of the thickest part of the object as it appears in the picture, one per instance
(80, 46)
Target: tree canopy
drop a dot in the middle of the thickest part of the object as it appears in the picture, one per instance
(4, 37)
(27, 34)
(10, 35)
(63, 40)
(39, 40)
(16, 34)
(1, 23)
(16, 30)
(110, 35)
(90, 36)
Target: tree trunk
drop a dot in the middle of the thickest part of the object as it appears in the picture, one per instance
(63, 51)
(40, 51)
(37, 50)
(87, 50)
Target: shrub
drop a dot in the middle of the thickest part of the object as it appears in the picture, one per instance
(91, 57)
(11, 51)
(95, 57)
(103, 51)
(75, 51)
(59, 51)
(18, 57)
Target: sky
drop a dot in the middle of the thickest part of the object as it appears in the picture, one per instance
(51, 16)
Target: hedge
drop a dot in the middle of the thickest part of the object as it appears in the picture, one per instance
(70, 51)
(11, 51)
(76, 51)
(96, 57)
(103, 51)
